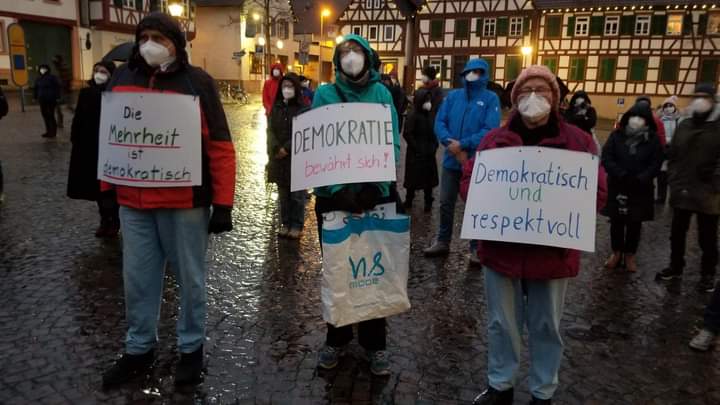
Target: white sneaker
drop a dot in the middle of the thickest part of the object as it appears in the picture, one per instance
(703, 340)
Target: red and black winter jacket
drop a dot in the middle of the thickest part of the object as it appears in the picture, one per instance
(218, 153)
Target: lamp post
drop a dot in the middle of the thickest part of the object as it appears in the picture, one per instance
(324, 13)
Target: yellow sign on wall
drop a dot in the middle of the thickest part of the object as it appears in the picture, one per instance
(18, 55)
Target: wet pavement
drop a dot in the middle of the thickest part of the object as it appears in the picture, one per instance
(62, 314)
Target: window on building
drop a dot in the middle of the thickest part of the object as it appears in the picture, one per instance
(513, 65)
(369, 4)
(582, 26)
(709, 70)
(642, 25)
(437, 63)
(437, 30)
(551, 63)
(577, 68)
(378, 3)
(281, 29)
(516, 26)
(612, 25)
(462, 29)
(489, 25)
(357, 30)
(638, 69)
(674, 24)
(373, 33)
(607, 67)
(389, 33)
(553, 26)
(713, 24)
(129, 3)
(256, 64)
(669, 70)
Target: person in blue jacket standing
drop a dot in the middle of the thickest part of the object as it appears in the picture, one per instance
(464, 118)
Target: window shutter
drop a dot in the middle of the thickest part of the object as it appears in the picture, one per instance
(597, 25)
(501, 29)
(702, 27)
(627, 25)
(658, 24)
(478, 27)
(687, 27)
(571, 27)
(553, 26)
(250, 29)
(117, 3)
(526, 26)
(139, 5)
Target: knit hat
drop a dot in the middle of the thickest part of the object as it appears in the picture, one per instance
(430, 72)
(705, 89)
(167, 26)
(670, 100)
(541, 72)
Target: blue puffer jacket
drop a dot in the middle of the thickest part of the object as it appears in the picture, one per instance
(467, 114)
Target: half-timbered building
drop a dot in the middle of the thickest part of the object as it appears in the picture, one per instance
(617, 50)
(451, 32)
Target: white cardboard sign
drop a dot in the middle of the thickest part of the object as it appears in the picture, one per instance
(150, 140)
(535, 195)
(341, 144)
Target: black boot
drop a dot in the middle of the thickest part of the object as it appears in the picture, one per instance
(128, 367)
(536, 401)
(428, 205)
(494, 397)
(189, 368)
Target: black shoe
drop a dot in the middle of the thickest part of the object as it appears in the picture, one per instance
(536, 401)
(494, 397)
(189, 368)
(706, 284)
(669, 274)
(128, 367)
(428, 205)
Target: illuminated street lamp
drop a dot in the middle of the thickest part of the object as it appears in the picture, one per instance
(261, 41)
(256, 17)
(176, 9)
(323, 14)
(339, 39)
(279, 44)
(526, 51)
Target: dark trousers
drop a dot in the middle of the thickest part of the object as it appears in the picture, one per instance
(707, 239)
(625, 235)
(712, 312)
(109, 209)
(662, 186)
(48, 113)
(2, 180)
(410, 195)
(372, 334)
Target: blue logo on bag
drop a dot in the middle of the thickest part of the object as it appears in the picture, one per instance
(360, 269)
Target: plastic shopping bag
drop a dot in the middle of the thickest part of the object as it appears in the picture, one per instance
(365, 266)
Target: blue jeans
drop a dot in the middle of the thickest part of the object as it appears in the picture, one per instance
(449, 191)
(511, 304)
(150, 239)
(292, 207)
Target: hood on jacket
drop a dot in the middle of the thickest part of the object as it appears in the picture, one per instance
(421, 96)
(108, 65)
(277, 65)
(169, 27)
(295, 80)
(473, 64)
(577, 95)
(639, 110)
(370, 55)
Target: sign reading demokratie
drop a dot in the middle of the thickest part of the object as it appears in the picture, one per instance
(535, 195)
(342, 143)
(150, 140)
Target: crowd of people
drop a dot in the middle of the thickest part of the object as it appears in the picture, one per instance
(646, 154)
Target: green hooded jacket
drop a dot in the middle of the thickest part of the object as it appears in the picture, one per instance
(372, 92)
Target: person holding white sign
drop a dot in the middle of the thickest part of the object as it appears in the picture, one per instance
(165, 207)
(357, 80)
(525, 284)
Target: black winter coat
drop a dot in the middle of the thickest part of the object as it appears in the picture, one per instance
(82, 176)
(47, 89)
(631, 175)
(280, 136)
(420, 158)
(583, 117)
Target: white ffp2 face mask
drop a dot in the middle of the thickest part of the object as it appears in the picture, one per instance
(700, 105)
(353, 63)
(288, 93)
(427, 106)
(43, 71)
(534, 107)
(636, 122)
(472, 77)
(424, 79)
(155, 54)
(276, 73)
(100, 78)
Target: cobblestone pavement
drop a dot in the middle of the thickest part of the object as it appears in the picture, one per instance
(62, 315)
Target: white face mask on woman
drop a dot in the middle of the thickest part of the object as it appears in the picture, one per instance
(276, 72)
(288, 93)
(352, 63)
(534, 108)
(636, 123)
(43, 71)
(427, 106)
(700, 105)
(155, 54)
(100, 77)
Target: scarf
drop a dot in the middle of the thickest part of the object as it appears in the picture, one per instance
(635, 137)
(360, 81)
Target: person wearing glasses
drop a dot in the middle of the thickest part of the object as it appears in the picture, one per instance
(526, 284)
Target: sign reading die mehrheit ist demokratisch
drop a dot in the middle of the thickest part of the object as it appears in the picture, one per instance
(342, 143)
(150, 140)
(535, 195)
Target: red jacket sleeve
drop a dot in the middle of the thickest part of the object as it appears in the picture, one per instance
(269, 93)
(660, 131)
(219, 148)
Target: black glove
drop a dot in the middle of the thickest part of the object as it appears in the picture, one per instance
(368, 197)
(345, 200)
(221, 220)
